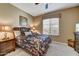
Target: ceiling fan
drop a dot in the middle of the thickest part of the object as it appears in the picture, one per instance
(46, 5)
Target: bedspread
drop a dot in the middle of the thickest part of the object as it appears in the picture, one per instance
(35, 44)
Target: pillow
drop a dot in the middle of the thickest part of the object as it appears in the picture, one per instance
(24, 29)
(17, 33)
(10, 35)
(2, 35)
(27, 33)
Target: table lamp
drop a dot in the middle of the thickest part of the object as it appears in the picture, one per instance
(34, 30)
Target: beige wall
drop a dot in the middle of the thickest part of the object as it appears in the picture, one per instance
(10, 15)
(67, 23)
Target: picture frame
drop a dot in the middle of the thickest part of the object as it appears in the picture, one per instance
(23, 21)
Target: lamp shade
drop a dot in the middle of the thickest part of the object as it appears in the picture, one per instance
(5, 28)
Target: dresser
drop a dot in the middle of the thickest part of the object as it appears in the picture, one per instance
(77, 41)
(7, 46)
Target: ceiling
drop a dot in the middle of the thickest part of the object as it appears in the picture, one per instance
(39, 9)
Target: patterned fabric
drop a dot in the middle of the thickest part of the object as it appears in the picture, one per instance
(34, 44)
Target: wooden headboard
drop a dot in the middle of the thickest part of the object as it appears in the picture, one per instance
(20, 28)
(15, 28)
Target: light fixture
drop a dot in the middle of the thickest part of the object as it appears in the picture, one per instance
(46, 5)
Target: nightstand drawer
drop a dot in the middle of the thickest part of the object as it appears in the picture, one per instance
(7, 46)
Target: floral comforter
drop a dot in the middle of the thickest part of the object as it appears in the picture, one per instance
(36, 45)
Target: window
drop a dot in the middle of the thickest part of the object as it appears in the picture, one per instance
(77, 27)
(51, 26)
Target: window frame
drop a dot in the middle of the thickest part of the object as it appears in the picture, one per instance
(50, 27)
(77, 27)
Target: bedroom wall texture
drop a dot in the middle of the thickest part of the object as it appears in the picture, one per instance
(10, 15)
(69, 17)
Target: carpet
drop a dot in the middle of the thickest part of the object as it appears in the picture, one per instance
(55, 49)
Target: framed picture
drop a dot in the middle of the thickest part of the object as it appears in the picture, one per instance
(23, 21)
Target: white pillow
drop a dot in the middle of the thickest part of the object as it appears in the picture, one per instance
(10, 35)
(17, 33)
(28, 33)
(2, 35)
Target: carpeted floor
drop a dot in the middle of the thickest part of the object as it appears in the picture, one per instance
(55, 49)
(18, 52)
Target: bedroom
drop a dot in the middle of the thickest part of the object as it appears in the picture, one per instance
(11, 15)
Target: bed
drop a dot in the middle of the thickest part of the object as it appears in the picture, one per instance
(33, 43)
(39, 45)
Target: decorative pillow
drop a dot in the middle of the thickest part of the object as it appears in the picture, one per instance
(24, 29)
(17, 33)
(27, 33)
(10, 35)
(2, 35)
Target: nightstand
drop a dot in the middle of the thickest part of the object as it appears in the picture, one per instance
(7, 46)
(71, 43)
(7, 39)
